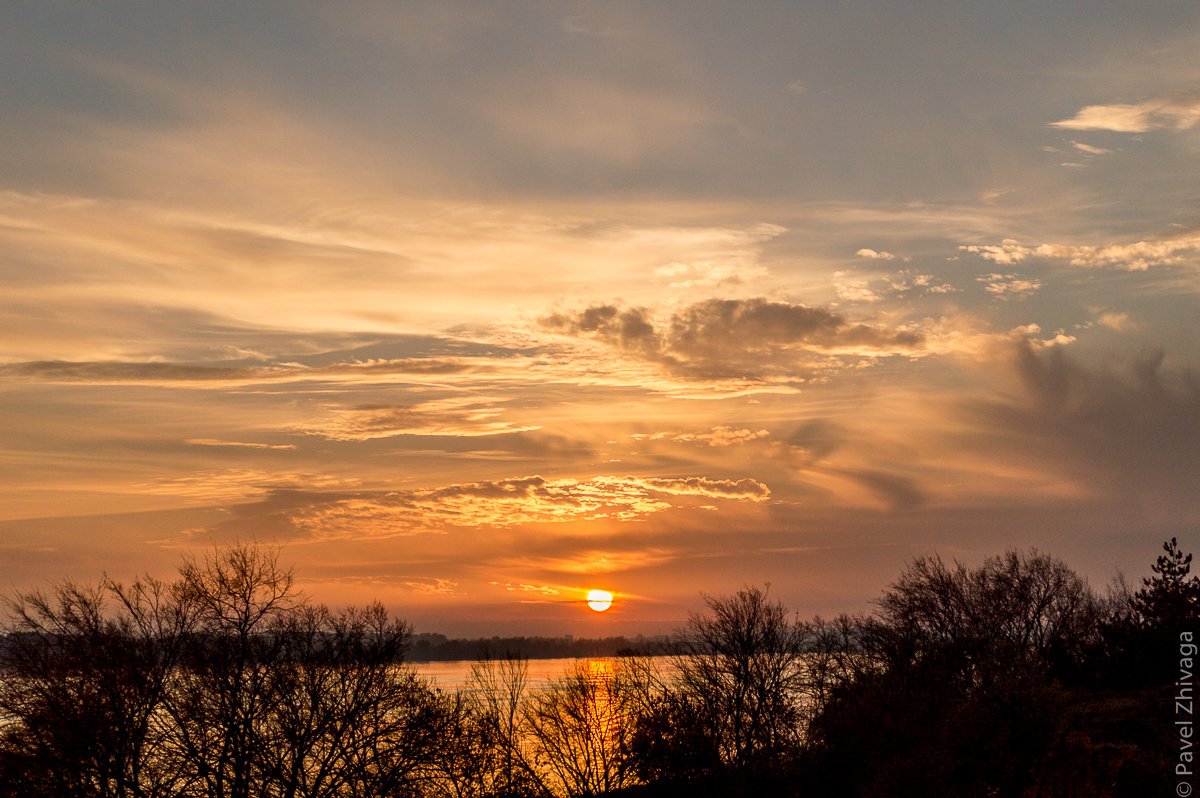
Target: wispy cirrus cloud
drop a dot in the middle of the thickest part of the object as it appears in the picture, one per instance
(541, 590)
(297, 268)
(1178, 112)
(593, 561)
(708, 274)
(233, 484)
(457, 416)
(151, 373)
(238, 444)
(1089, 149)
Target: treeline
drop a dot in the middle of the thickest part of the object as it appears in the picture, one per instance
(1013, 678)
(433, 647)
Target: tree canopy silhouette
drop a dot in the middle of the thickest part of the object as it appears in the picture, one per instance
(1008, 678)
(1170, 599)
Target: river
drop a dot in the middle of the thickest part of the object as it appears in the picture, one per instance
(451, 676)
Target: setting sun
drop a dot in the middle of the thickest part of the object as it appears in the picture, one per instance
(599, 600)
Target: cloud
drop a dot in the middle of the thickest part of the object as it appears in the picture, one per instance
(541, 590)
(718, 436)
(906, 280)
(872, 254)
(707, 274)
(595, 561)
(458, 417)
(714, 488)
(1130, 430)
(225, 485)
(332, 265)
(739, 325)
(1136, 256)
(236, 444)
(1028, 334)
(854, 289)
(1180, 112)
(898, 491)
(301, 515)
(431, 586)
(900, 283)
(1008, 286)
(132, 372)
(731, 337)
(1089, 149)
(152, 373)
(1115, 321)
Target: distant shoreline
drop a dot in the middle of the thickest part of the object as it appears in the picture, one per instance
(433, 647)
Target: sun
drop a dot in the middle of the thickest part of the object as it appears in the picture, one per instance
(599, 600)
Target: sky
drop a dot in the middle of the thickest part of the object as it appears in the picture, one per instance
(473, 307)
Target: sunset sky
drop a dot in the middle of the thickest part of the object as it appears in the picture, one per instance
(474, 307)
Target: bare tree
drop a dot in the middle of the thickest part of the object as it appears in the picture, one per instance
(742, 676)
(835, 657)
(220, 706)
(223, 683)
(581, 727)
(84, 679)
(1031, 605)
(337, 678)
(395, 750)
(494, 754)
(959, 688)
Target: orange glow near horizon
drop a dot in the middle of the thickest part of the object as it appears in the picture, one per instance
(599, 600)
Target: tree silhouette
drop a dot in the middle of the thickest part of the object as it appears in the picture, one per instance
(581, 725)
(1171, 599)
(226, 682)
(221, 702)
(492, 750)
(85, 670)
(955, 693)
(735, 706)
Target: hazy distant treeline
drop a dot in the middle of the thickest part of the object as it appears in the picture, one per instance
(1013, 678)
(432, 647)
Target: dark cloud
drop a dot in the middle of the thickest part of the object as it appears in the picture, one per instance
(66, 371)
(1129, 431)
(151, 372)
(900, 492)
(628, 329)
(732, 337)
(818, 438)
(732, 326)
